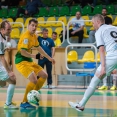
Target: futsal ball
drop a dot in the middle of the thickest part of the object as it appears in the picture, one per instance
(8, 45)
(33, 96)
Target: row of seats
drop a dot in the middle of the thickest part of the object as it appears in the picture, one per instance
(63, 19)
(88, 56)
(63, 11)
(16, 33)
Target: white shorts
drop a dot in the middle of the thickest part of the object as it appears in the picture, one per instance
(111, 64)
(3, 74)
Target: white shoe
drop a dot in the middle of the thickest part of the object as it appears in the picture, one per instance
(51, 87)
(10, 106)
(46, 86)
(76, 106)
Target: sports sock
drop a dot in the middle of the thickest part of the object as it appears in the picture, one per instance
(10, 92)
(29, 87)
(105, 81)
(40, 83)
(90, 90)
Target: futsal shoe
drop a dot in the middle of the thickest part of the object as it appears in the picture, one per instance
(27, 105)
(76, 106)
(113, 88)
(103, 88)
(10, 106)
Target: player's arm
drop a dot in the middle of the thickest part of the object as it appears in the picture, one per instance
(41, 51)
(53, 52)
(2, 59)
(102, 55)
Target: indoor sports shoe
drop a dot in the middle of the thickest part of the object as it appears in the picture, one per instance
(113, 88)
(10, 106)
(103, 88)
(34, 104)
(27, 105)
(76, 106)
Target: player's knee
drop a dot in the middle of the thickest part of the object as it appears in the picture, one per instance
(34, 81)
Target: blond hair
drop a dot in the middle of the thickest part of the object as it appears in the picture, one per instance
(99, 17)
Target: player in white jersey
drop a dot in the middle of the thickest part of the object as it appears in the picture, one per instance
(105, 39)
(6, 74)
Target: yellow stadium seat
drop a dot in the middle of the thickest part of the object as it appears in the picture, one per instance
(10, 20)
(92, 28)
(72, 56)
(98, 58)
(50, 24)
(88, 57)
(41, 19)
(115, 22)
(49, 32)
(15, 33)
(38, 29)
(21, 20)
(58, 30)
(85, 35)
(25, 29)
(27, 22)
(110, 17)
(63, 19)
(1, 20)
(71, 19)
(87, 23)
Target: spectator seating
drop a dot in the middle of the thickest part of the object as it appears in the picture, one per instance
(88, 56)
(27, 21)
(64, 11)
(40, 19)
(15, 33)
(20, 20)
(74, 9)
(86, 10)
(72, 56)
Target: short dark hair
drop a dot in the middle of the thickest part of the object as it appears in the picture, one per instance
(45, 30)
(3, 24)
(33, 20)
(104, 9)
(55, 33)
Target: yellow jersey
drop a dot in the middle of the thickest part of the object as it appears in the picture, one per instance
(57, 42)
(27, 41)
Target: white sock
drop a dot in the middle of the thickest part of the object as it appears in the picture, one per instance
(90, 90)
(105, 81)
(10, 92)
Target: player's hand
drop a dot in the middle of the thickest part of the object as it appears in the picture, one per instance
(11, 74)
(52, 60)
(41, 56)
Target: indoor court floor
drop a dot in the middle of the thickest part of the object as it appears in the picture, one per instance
(54, 103)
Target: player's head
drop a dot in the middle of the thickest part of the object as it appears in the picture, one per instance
(32, 26)
(97, 21)
(45, 33)
(104, 12)
(54, 35)
(78, 15)
(5, 28)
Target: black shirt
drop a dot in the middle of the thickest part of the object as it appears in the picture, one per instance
(108, 20)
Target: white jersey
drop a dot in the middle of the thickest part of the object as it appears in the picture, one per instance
(106, 36)
(77, 25)
(2, 44)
